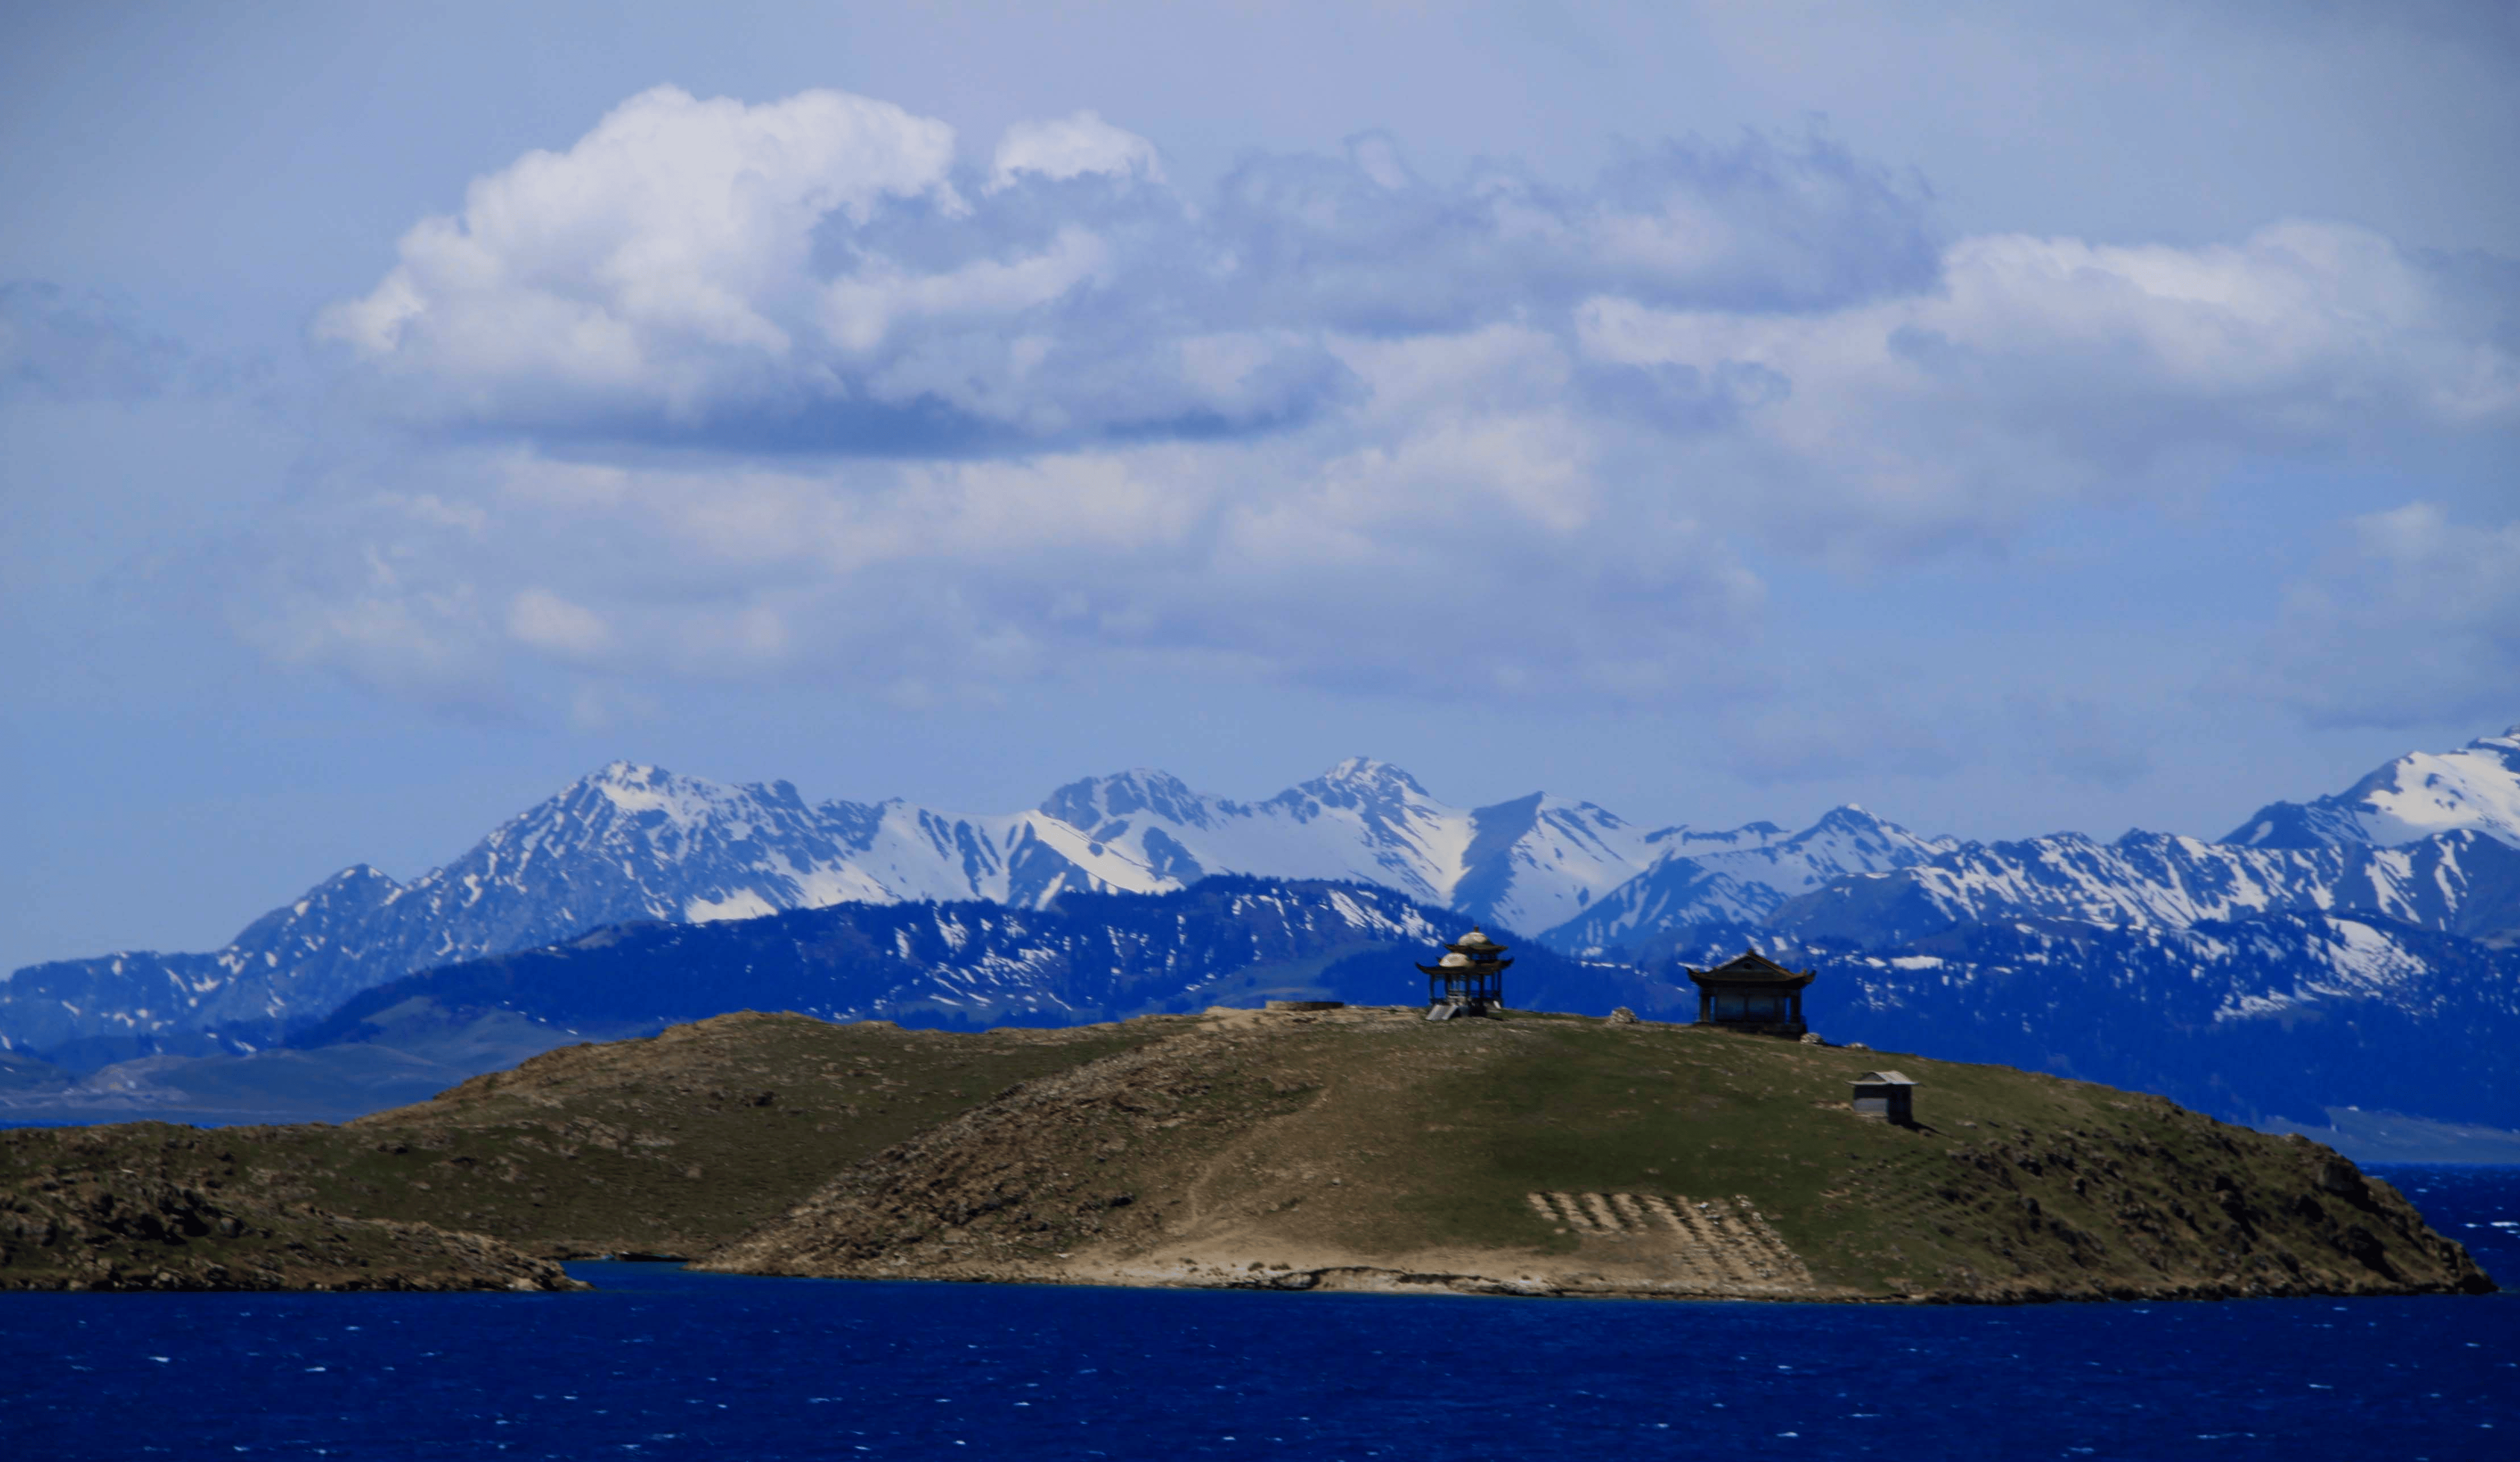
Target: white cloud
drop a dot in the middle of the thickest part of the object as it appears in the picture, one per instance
(807, 271)
(1073, 147)
(664, 240)
(932, 426)
(858, 311)
(2046, 370)
(1369, 552)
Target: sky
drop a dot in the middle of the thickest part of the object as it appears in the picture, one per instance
(2009, 417)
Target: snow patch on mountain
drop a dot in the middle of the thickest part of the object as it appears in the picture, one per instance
(1525, 864)
(1741, 877)
(2461, 883)
(2420, 795)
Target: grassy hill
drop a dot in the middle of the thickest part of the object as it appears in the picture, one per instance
(1560, 1154)
(1349, 1148)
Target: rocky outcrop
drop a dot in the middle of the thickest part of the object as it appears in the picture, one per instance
(70, 1223)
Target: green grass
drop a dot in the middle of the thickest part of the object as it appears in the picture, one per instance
(2010, 1179)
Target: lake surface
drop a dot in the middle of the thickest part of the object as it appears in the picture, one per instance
(660, 1363)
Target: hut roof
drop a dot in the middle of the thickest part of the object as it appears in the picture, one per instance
(1883, 1078)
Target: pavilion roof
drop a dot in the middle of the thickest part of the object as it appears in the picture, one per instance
(1749, 966)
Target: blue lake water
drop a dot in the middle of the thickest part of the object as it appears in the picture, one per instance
(660, 1363)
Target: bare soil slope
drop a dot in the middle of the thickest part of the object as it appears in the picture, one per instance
(1562, 1155)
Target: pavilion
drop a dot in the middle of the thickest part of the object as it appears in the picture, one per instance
(1752, 992)
(1469, 979)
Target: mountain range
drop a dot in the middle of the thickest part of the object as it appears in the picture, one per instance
(2359, 948)
(636, 843)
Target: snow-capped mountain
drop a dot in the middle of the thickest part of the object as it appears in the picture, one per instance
(2462, 882)
(634, 842)
(2417, 796)
(1525, 864)
(1740, 877)
(2327, 941)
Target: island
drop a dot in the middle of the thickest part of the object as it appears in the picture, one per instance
(1307, 1148)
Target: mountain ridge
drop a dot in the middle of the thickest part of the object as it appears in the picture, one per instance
(633, 842)
(2461, 882)
(977, 965)
(2393, 922)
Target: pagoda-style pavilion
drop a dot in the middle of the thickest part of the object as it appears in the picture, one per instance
(1752, 992)
(1471, 977)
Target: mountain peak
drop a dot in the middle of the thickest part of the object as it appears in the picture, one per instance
(354, 873)
(2406, 801)
(1848, 816)
(633, 787)
(1364, 771)
(1086, 803)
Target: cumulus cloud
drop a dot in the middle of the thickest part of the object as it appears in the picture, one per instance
(651, 262)
(819, 272)
(2416, 621)
(935, 422)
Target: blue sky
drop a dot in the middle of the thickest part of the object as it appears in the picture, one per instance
(2006, 419)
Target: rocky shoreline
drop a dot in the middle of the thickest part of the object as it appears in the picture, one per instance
(74, 1226)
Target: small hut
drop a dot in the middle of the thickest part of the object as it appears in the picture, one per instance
(1752, 992)
(1471, 977)
(1888, 1095)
